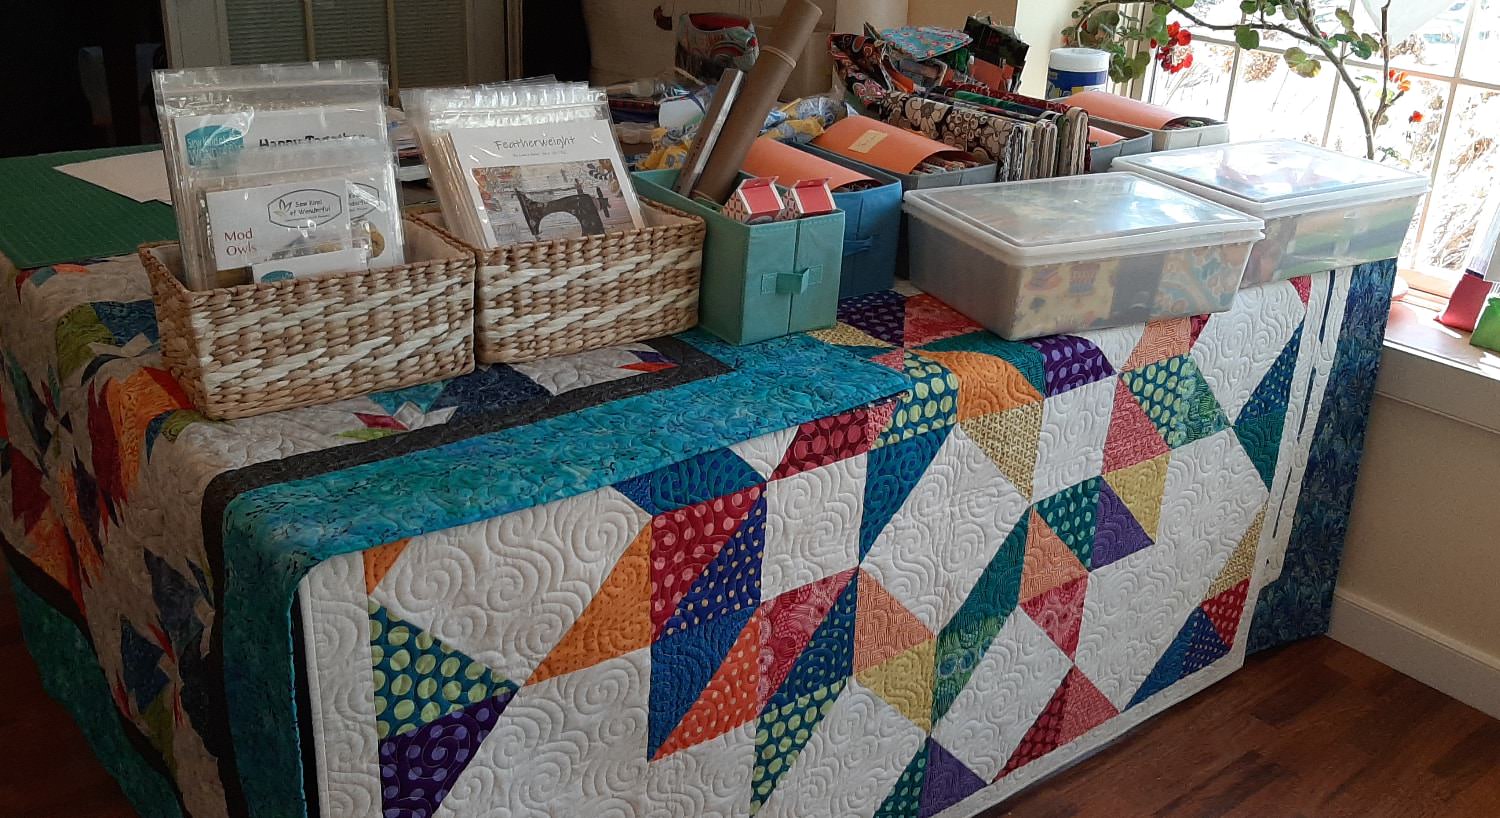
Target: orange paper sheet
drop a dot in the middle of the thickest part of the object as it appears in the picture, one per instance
(1099, 136)
(1122, 109)
(882, 145)
(769, 157)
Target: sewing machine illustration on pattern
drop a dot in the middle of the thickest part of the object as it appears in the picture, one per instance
(581, 205)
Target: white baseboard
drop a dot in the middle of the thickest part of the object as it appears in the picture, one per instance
(1459, 670)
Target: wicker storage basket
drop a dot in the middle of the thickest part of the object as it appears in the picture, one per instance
(258, 348)
(546, 298)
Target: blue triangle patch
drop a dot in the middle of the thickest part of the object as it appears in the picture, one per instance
(892, 471)
(731, 581)
(1189, 652)
(1206, 647)
(695, 480)
(1261, 439)
(681, 666)
(1275, 389)
(828, 657)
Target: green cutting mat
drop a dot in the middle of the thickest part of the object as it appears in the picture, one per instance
(47, 216)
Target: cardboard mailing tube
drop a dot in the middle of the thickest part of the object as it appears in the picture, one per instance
(757, 97)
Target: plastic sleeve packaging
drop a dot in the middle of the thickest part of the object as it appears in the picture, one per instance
(273, 165)
(450, 121)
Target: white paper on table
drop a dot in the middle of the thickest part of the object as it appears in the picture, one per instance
(139, 176)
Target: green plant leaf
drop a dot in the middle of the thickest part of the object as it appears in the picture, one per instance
(1307, 68)
(1249, 6)
(1247, 37)
(1345, 18)
(1294, 56)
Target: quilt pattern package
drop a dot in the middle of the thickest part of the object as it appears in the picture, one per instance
(899, 567)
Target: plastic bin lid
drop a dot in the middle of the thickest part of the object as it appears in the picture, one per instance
(1277, 177)
(1078, 217)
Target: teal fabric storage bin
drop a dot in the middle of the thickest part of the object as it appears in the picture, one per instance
(872, 224)
(760, 281)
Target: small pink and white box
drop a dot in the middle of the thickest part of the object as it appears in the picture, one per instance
(808, 197)
(754, 201)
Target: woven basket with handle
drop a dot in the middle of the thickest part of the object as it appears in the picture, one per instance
(546, 298)
(258, 348)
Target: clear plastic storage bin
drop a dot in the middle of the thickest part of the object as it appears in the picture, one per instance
(1322, 209)
(1075, 253)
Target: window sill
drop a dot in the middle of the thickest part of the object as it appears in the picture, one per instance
(1433, 367)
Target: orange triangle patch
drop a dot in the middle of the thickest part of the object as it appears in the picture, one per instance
(883, 627)
(1049, 562)
(51, 552)
(1086, 708)
(378, 562)
(617, 620)
(1160, 341)
(731, 697)
(987, 384)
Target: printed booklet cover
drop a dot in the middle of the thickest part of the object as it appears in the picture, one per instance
(342, 219)
(544, 182)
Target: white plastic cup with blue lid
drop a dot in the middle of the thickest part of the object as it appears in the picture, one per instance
(1074, 70)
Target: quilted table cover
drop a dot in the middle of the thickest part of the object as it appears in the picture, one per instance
(899, 567)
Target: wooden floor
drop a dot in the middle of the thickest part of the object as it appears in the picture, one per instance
(1313, 730)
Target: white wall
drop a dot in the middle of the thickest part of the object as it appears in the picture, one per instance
(1420, 584)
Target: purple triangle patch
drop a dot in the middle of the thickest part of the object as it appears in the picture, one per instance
(418, 768)
(948, 781)
(1116, 533)
(1070, 362)
(880, 315)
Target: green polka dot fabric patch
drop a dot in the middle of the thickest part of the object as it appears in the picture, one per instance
(931, 404)
(781, 735)
(419, 679)
(1177, 399)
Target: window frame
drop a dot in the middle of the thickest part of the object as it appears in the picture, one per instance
(1436, 281)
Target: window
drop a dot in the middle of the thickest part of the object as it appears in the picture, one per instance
(1455, 89)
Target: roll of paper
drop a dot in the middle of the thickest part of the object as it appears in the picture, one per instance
(882, 14)
(756, 97)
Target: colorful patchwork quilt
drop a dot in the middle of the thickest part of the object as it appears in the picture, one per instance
(898, 567)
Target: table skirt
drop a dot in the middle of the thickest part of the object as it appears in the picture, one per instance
(674, 578)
